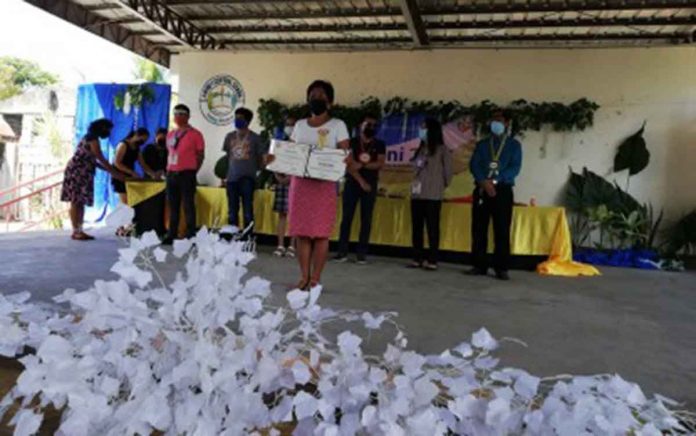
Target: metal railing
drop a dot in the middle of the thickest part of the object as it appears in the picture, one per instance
(45, 191)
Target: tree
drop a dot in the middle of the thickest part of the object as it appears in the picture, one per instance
(16, 75)
(148, 71)
(47, 126)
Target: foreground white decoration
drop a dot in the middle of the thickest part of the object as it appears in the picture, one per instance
(207, 354)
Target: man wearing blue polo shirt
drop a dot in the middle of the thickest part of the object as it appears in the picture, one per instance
(495, 164)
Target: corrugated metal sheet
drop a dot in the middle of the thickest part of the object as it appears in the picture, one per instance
(374, 24)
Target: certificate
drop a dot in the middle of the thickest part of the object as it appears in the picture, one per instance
(289, 158)
(303, 160)
(327, 164)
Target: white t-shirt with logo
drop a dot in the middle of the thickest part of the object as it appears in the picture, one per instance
(328, 135)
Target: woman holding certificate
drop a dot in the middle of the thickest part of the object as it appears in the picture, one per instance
(312, 202)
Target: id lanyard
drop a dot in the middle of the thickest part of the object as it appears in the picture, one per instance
(494, 165)
(178, 138)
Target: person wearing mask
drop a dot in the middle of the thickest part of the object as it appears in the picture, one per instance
(127, 154)
(280, 200)
(150, 213)
(78, 179)
(495, 164)
(155, 153)
(312, 207)
(432, 164)
(245, 154)
(186, 151)
(369, 156)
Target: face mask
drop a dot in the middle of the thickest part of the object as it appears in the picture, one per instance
(497, 128)
(288, 131)
(423, 134)
(369, 131)
(162, 142)
(240, 123)
(104, 135)
(180, 120)
(317, 106)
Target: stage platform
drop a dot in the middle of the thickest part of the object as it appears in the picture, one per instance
(536, 232)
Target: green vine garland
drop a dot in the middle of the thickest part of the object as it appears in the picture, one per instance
(576, 116)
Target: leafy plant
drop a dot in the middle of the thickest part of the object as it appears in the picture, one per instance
(135, 96)
(600, 218)
(598, 205)
(589, 190)
(633, 154)
(221, 167)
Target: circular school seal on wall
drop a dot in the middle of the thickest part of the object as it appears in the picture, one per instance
(219, 97)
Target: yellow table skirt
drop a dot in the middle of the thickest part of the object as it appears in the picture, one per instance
(537, 231)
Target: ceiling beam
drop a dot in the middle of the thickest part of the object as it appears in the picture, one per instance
(687, 20)
(80, 17)
(565, 6)
(463, 9)
(489, 7)
(414, 22)
(310, 28)
(168, 22)
(675, 37)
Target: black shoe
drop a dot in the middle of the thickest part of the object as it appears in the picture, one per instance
(340, 258)
(168, 240)
(361, 260)
(476, 272)
(502, 275)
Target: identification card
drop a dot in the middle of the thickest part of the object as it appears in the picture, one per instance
(416, 187)
(173, 159)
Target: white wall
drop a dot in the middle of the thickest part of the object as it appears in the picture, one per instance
(631, 85)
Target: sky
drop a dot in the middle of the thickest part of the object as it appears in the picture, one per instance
(77, 55)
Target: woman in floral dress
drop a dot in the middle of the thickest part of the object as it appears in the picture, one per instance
(78, 180)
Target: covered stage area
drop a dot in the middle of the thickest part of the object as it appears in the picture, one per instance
(209, 337)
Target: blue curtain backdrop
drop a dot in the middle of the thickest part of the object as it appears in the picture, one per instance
(96, 101)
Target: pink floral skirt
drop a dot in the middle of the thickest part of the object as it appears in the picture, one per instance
(312, 208)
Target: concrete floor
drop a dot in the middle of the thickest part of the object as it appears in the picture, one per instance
(640, 324)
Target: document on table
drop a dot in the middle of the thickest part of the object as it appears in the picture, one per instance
(308, 161)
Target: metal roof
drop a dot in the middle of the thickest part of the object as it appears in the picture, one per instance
(158, 28)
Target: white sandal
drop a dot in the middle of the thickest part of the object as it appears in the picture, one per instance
(290, 252)
(279, 252)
